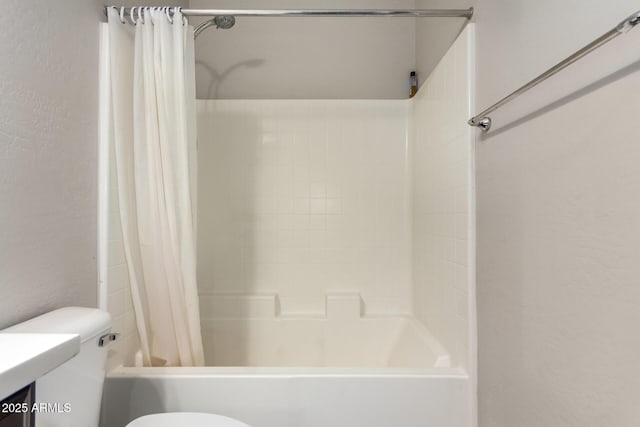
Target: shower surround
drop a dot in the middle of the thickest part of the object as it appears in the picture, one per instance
(335, 264)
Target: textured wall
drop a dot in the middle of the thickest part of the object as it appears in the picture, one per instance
(48, 155)
(324, 58)
(558, 228)
(48, 115)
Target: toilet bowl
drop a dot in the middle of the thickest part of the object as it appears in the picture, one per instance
(79, 381)
(186, 419)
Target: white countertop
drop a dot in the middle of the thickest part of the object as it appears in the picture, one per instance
(25, 357)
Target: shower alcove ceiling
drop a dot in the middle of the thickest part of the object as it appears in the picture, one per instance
(331, 232)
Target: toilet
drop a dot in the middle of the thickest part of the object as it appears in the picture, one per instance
(79, 381)
(191, 419)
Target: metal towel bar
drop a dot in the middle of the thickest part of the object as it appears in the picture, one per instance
(483, 121)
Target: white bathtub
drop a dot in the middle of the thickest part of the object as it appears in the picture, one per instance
(369, 372)
(293, 397)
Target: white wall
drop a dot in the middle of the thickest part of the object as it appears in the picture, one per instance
(558, 231)
(306, 58)
(304, 198)
(48, 155)
(443, 211)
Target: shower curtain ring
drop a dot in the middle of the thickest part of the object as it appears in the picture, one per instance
(185, 21)
(176, 10)
(140, 19)
(167, 11)
(122, 15)
(131, 12)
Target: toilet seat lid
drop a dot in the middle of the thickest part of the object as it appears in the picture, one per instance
(185, 419)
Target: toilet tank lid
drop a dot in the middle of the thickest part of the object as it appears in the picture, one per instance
(86, 322)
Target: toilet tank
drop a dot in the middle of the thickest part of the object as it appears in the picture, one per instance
(71, 394)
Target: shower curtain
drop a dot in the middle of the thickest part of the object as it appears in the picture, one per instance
(153, 131)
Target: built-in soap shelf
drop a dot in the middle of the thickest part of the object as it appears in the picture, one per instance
(338, 306)
(329, 330)
(25, 357)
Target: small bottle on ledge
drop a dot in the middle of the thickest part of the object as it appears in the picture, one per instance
(413, 84)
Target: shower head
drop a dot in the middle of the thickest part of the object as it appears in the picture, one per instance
(223, 22)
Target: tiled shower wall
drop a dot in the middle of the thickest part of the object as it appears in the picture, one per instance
(443, 217)
(302, 199)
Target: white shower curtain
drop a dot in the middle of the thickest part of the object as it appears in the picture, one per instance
(153, 117)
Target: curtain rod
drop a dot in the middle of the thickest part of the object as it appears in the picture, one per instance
(419, 13)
